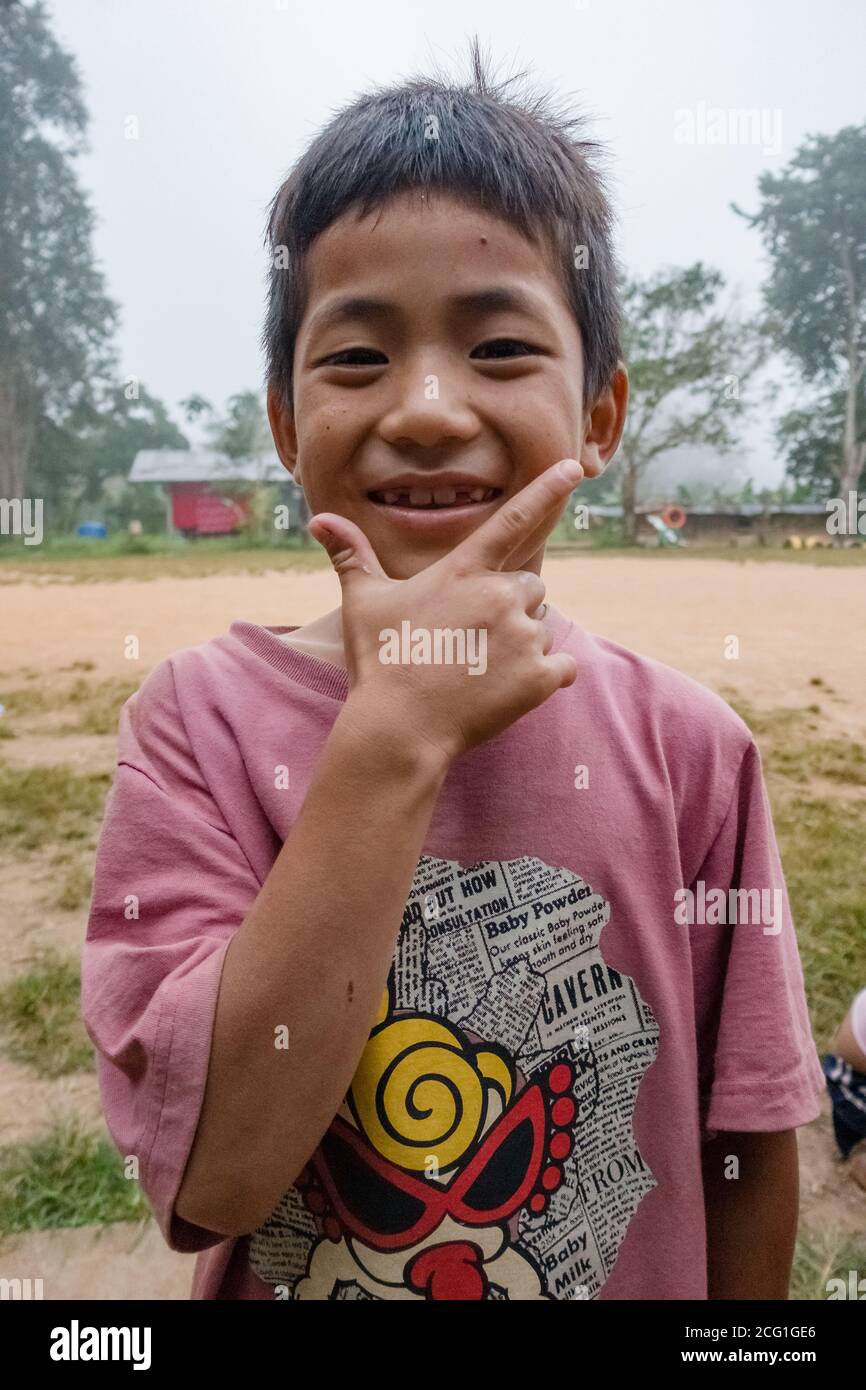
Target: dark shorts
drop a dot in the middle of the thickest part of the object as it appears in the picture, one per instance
(847, 1089)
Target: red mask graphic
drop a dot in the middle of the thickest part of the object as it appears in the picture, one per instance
(388, 1209)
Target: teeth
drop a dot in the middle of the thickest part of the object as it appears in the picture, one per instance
(433, 497)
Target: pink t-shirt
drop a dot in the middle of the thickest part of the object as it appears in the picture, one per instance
(596, 968)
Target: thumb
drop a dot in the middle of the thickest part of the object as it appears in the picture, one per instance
(348, 548)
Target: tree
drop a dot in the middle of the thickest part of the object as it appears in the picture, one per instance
(812, 221)
(115, 434)
(196, 405)
(810, 439)
(243, 432)
(56, 320)
(73, 465)
(688, 359)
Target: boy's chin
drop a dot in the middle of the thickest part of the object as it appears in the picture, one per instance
(402, 557)
(406, 566)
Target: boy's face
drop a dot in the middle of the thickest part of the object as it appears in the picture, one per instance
(437, 358)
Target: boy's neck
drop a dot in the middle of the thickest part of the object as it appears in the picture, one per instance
(321, 638)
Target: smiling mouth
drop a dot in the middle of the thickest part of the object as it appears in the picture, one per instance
(434, 499)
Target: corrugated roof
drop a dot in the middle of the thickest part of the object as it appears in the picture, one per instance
(204, 466)
(744, 509)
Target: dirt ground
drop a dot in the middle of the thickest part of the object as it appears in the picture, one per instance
(791, 623)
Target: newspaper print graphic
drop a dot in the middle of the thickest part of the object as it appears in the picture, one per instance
(485, 1149)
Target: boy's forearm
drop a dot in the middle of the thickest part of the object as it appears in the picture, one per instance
(312, 957)
(751, 1218)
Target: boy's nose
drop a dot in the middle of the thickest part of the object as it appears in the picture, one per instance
(429, 412)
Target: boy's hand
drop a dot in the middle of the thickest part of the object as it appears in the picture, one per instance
(470, 588)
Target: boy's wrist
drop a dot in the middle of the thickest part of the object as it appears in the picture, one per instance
(393, 744)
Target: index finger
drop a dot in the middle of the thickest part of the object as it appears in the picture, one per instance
(493, 544)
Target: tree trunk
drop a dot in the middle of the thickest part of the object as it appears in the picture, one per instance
(17, 431)
(628, 494)
(853, 452)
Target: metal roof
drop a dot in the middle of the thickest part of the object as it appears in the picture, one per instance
(744, 509)
(204, 466)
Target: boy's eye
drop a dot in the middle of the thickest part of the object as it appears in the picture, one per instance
(504, 347)
(355, 357)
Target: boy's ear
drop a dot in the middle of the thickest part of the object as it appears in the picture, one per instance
(605, 424)
(282, 421)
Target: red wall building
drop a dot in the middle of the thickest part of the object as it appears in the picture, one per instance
(195, 481)
(197, 510)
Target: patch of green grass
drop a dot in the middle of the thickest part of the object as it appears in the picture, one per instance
(40, 1018)
(96, 704)
(40, 806)
(776, 724)
(47, 697)
(101, 706)
(79, 560)
(67, 1178)
(821, 843)
(32, 701)
(786, 751)
(837, 759)
(601, 545)
(86, 562)
(73, 890)
(821, 1256)
(821, 839)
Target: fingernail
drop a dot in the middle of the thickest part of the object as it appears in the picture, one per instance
(570, 469)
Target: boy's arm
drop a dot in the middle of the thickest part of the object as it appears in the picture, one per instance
(759, 1074)
(313, 955)
(752, 1217)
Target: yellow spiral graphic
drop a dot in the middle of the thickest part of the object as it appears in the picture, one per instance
(421, 1091)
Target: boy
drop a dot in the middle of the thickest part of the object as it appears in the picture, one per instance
(387, 966)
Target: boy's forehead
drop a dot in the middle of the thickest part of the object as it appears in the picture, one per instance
(435, 238)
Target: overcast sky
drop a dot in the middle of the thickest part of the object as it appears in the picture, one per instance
(227, 93)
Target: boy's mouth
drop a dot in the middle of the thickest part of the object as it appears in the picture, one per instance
(434, 499)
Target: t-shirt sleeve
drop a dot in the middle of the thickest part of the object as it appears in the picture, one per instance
(758, 1065)
(171, 886)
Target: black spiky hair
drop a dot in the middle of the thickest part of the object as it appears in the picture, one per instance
(497, 144)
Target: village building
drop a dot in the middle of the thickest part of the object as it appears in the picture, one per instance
(209, 494)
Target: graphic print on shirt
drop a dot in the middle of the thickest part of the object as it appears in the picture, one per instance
(485, 1149)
